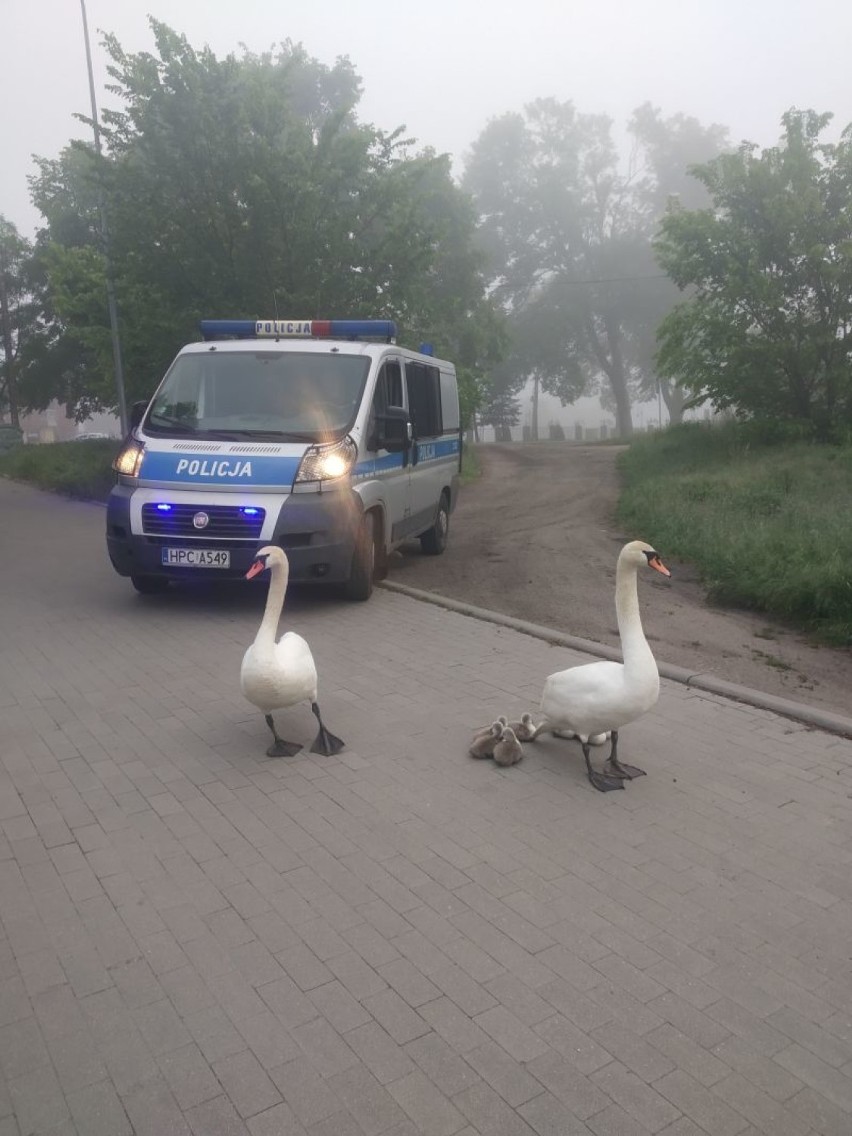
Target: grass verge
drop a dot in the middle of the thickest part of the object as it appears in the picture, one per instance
(765, 522)
(78, 469)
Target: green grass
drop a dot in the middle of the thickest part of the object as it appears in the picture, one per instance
(471, 465)
(766, 521)
(78, 469)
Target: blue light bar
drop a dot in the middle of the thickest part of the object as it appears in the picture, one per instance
(249, 512)
(165, 508)
(298, 329)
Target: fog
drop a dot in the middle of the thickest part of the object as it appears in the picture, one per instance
(443, 68)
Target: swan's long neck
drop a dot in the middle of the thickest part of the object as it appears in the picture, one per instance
(634, 645)
(265, 638)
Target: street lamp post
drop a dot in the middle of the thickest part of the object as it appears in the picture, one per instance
(110, 285)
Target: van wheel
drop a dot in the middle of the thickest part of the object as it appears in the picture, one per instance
(150, 585)
(359, 586)
(434, 540)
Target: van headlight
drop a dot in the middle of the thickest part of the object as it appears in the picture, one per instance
(128, 461)
(328, 463)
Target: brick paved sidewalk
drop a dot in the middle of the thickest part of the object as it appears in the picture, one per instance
(397, 940)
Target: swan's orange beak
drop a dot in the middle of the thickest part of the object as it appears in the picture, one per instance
(658, 565)
(255, 569)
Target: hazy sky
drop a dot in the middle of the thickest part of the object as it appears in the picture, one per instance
(443, 68)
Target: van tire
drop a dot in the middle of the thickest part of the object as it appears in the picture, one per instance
(359, 586)
(434, 540)
(150, 585)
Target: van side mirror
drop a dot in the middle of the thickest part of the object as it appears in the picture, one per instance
(393, 430)
(137, 413)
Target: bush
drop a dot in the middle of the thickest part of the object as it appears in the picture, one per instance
(78, 469)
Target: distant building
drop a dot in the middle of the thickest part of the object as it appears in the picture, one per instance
(54, 425)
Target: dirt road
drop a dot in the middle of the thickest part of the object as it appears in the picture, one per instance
(535, 538)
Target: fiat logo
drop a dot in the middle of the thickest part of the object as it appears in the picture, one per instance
(201, 520)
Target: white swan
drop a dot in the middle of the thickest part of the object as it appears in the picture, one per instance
(275, 676)
(599, 698)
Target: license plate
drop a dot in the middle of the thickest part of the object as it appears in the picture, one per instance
(196, 558)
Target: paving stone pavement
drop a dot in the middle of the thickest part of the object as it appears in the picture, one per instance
(398, 940)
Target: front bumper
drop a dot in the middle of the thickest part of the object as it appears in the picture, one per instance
(316, 530)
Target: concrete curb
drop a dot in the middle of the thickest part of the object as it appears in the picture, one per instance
(797, 711)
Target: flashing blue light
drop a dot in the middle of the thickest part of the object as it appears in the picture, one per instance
(164, 508)
(249, 512)
(298, 329)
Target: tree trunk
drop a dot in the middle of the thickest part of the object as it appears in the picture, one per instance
(674, 398)
(534, 431)
(618, 381)
(11, 393)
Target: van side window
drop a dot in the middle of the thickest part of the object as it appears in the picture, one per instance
(388, 387)
(424, 398)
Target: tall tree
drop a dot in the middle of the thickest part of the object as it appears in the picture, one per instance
(568, 227)
(247, 184)
(768, 327)
(14, 302)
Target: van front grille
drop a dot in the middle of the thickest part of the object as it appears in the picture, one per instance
(234, 522)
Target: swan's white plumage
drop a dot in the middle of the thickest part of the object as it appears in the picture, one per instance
(277, 677)
(274, 676)
(593, 699)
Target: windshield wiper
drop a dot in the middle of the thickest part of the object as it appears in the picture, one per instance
(169, 422)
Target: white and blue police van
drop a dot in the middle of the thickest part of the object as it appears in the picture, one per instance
(321, 436)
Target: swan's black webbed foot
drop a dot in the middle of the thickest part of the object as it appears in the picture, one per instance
(325, 742)
(605, 784)
(601, 781)
(614, 768)
(279, 747)
(625, 772)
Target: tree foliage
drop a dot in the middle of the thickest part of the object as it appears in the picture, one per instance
(767, 329)
(568, 227)
(245, 185)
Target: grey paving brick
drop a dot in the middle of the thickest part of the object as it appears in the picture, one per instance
(38, 1101)
(77, 1061)
(580, 1048)
(22, 1048)
(430, 1110)
(442, 1064)
(823, 1116)
(639, 1100)
(762, 1111)
(454, 1027)
(823, 1078)
(707, 1109)
(686, 1054)
(409, 982)
(338, 1006)
(324, 1047)
(576, 1091)
(97, 1111)
(277, 1121)
(161, 1026)
(504, 1074)
(189, 1076)
(371, 1105)
(246, 1084)
(508, 1031)
(488, 1112)
(384, 1057)
(549, 1117)
(214, 1033)
(304, 967)
(216, 1117)
(396, 1016)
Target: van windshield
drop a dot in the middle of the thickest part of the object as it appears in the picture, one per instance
(279, 394)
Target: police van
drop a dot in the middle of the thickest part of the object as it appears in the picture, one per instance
(321, 436)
